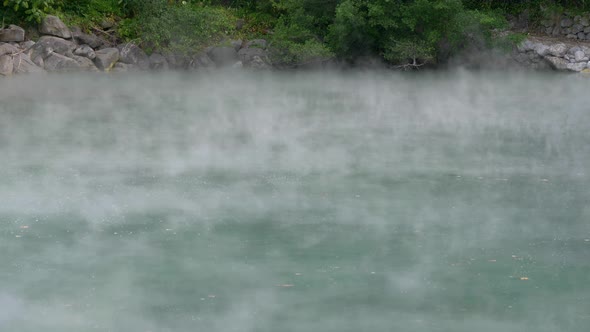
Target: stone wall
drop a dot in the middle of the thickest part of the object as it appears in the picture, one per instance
(544, 54)
(569, 26)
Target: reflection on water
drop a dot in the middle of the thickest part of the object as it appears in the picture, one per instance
(295, 202)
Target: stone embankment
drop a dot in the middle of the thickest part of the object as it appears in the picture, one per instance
(557, 54)
(61, 49)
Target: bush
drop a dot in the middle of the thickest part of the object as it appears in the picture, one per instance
(28, 10)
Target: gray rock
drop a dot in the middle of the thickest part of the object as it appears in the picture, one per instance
(588, 36)
(12, 34)
(577, 18)
(85, 63)
(259, 43)
(254, 58)
(27, 45)
(223, 55)
(6, 65)
(49, 44)
(107, 24)
(52, 25)
(541, 49)
(558, 50)
(237, 44)
(202, 60)
(566, 31)
(158, 62)
(85, 51)
(61, 63)
(106, 58)
(587, 30)
(238, 65)
(38, 60)
(90, 40)
(8, 49)
(24, 65)
(123, 68)
(573, 50)
(584, 21)
(556, 31)
(577, 67)
(566, 22)
(581, 35)
(133, 55)
(525, 46)
(571, 36)
(557, 63)
(177, 60)
(577, 28)
(260, 64)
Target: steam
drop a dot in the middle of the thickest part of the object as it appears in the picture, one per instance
(294, 201)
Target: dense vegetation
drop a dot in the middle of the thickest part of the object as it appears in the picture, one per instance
(405, 32)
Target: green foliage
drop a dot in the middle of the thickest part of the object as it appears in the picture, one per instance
(29, 10)
(179, 28)
(294, 44)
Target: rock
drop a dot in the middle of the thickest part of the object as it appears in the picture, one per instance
(541, 49)
(8, 49)
(587, 30)
(570, 36)
(566, 31)
(581, 35)
(52, 25)
(556, 31)
(158, 62)
(573, 50)
(238, 65)
(202, 60)
(579, 56)
(558, 50)
(557, 63)
(90, 40)
(60, 63)
(577, 18)
(177, 60)
(584, 21)
(237, 44)
(85, 51)
(85, 63)
(106, 58)
(223, 55)
(254, 58)
(38, 60)
(577, 28)
(107, 24)
(12, 34)
(549, 30)
(27, 45)
(120, 67)
(24, 65)
(588, 36)
(258, 63)
(577, 67)
(133, 55)
(6, 65)
(525, 46)
(49, 44)
(566, 22)
(258, 43)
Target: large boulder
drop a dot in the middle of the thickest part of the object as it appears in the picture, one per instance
(85, 51)
(85, 63)
(12, 34)
(52, 25)
(223, 55)
(577, 67)
(202, 60)
(90, 40)
(61, 63)
(254, 58)
(158, 62)
(106, 58)
(49, 44)
(24, 65)
(8, 49)
(177, 60)
(133, 55)
(6, 65)
(557, 63)
(558, 50)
